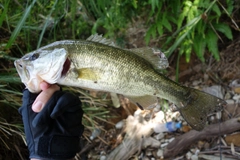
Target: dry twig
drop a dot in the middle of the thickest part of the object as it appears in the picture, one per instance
(185, 140)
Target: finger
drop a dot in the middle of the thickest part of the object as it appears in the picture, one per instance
(44, 85)
(43, 117)
(43, 98)
(68, 102)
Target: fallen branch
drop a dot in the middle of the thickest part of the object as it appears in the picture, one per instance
(182, 142)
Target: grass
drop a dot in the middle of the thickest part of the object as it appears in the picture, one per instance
(27, 26)
(23, 28)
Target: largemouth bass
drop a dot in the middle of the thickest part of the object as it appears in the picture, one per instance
(99, 65)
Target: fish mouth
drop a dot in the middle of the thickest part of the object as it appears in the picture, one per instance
(66, 67)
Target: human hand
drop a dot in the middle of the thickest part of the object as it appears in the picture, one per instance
(54, 132)
(44, 96)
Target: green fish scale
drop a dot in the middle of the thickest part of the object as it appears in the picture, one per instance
(123, 72)
(101, 67)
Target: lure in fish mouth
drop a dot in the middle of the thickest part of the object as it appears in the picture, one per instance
(33, 69)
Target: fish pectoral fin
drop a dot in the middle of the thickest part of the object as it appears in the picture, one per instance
(153, 56)
(88, 74)
(143, 101)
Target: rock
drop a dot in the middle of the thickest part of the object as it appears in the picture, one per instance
(160, 136)
(227, 96)
(103, 157)
(120, 124)
(194, 157)
(145, 158)
(160, 153)
(151, 142)
(164, 145)
(159, 117)
(171, 139)
(186, 128)
(205, 77)
(236, 97)
(230, 101)
(215, 90)
(235, 85)
(203, 144)
(96, 132)
(148, 153)
(175, 115)
(137, 113)
(188, 155)
(196, 82)
(236, 90)
(234, 138)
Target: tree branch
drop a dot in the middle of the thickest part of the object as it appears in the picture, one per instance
(182, 142)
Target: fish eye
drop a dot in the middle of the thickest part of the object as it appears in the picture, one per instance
(34, 57)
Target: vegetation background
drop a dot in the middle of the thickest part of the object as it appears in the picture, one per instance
(189, 29)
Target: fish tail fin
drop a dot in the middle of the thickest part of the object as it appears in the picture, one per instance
(197, 106)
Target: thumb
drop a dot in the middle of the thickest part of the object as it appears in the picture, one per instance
(43, 117)
(44, 96)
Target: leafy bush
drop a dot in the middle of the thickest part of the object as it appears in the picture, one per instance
(186, 25)
(197, 25)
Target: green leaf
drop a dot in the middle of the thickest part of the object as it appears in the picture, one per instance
(134, 3)
(199, 46)
(230, 6)
(216, 9)
(20, 24)
(188, 49)
(186, 7)
(166, 23)
(173, 19)
(225, 29)
(46, 24)
(211, 40)
(201, 27)
(151, 31)
(180, 19)
(176, 43)
(159, 28)
(169, 40)
(176, 6)
(153, 4)
(4, 13)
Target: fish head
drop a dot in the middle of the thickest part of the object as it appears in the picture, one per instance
(42, 65)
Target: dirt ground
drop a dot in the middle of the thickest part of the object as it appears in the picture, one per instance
(131, 137)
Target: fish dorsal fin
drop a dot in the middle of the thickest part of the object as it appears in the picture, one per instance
(100, 39)
(152, 55)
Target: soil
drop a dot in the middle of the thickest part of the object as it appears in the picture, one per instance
(219, 140)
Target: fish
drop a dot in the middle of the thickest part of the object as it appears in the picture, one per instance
(98, 64)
